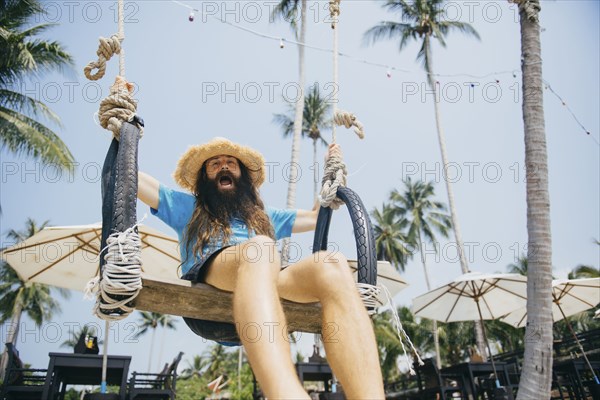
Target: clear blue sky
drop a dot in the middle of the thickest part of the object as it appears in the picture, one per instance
(204, 79)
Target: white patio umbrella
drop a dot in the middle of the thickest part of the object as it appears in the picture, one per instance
(569, 297)
(474, 296)
(387, 276)
(68, 257)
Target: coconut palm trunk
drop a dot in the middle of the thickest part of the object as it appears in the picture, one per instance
(436, 336)
(536, 377)
(464, 265)
(151, 350)
(291, 196)
(295, 161)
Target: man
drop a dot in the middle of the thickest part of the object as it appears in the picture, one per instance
(227, 239)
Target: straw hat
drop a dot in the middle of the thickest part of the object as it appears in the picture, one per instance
(192, 160)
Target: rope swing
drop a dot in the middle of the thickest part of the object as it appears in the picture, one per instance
(120, 280)
(335, 177)
(335, 174)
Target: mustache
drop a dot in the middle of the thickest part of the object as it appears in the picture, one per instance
(226, 173)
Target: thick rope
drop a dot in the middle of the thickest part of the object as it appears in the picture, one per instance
(106, 49)
(402, 335)
(349, 120)
(333, 177)
(334, 12)
(335, 169)
(121, 23)
(368, 294)
(119, 106)
(121, 276)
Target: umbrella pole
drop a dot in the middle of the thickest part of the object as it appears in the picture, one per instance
(487, 343)
(578, 343)
(105, 357)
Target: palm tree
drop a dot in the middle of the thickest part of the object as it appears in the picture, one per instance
(195, 368)
(536, 377)
(152, 320)
(17, 298)
(315, 119)
(426, 218)
(520, 267)
(455, 340)
(391, 243)
(218, 360)
(388, 342)
(23, 56)
(425, 20)
(166, 322)
(584, 271)
(288, 10)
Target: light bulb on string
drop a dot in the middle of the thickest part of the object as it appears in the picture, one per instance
(191, 16)
(389, 73)
(281, 44)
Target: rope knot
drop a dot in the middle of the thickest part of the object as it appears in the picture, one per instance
(349, 120)
(121, 278)
(333, 177)
(334, 11)
(119, 106)
(106, 49)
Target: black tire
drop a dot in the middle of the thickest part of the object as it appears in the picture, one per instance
(119, 189)
(108, 193)
(126, 180)
(363, 234)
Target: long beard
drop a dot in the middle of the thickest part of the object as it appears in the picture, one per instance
(227, 204)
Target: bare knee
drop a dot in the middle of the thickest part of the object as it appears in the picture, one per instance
(332, 269)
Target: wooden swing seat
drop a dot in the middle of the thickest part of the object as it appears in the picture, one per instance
(202, 301)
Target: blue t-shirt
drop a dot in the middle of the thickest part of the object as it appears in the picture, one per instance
(175, 209)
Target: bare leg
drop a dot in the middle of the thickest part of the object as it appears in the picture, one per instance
(347, 330)
(251, 271)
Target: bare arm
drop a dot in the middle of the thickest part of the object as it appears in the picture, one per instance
(306, 220)
(148, 189)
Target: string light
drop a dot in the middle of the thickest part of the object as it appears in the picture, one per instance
(375, 64)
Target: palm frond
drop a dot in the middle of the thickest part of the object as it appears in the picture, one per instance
(26, 105)
(288, 10)
(388, 30)
(24, 135)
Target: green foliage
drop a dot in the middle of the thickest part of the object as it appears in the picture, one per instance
(24, 56)
(421, 21)
(192, 388)
(16, 297)
(391, 242)
(247, 378)
(314, 118)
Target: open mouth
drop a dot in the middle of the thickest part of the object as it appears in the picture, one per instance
(225, 182)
